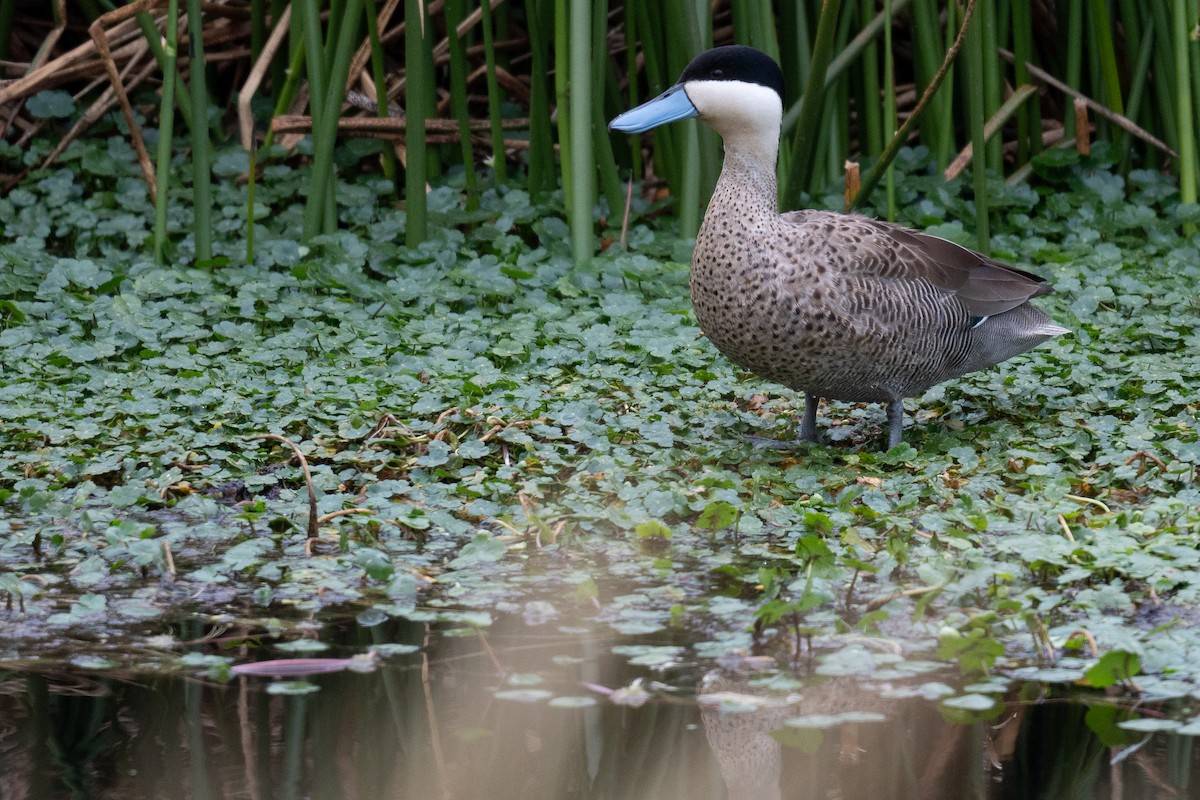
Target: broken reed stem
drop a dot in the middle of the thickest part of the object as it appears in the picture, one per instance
(1083, 130)
(321, 520)
(168, 556)
(312, 494)
(853, 182)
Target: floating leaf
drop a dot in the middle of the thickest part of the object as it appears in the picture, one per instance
(716, 515)
(652, 529)
(971, 702)
(292, 687)
(524, 695)
(302, 646)
(572, 702)
(1116, 666)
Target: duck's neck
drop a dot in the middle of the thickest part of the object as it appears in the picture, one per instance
(748, 173)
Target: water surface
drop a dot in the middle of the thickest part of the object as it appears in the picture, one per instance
(508, 713)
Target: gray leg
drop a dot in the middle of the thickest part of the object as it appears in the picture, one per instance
(808, 425)
(895, 415)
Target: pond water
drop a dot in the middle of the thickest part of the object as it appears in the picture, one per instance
(502, 713)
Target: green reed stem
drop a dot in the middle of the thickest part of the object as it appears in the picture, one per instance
(379, 77)
(320, 210)
(166, 123)
(458, 97)
(811, 104)
(155, 41)
(1182, 45)
(889, 102)
(309, 20)
(251, 184)
(977, 112)
(700, 151)
(258, 27)
(335, 92)
(201, 172)
(499, 165)
(1074, 58)
(870, 111)
(582, 163)
(989, 36)
(1102, 45)
(418, 88)
(280, 62)
(1029, 124)
(562, 100)
(542, 169)
(610, 179)
(631, 49)
(1164, 64)
(1141, 38)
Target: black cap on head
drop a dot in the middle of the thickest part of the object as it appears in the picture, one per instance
(735, 62)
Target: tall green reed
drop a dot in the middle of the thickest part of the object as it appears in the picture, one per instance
(166, 124)
(201, 171)
(1185, 57)
(418, 96)
(454, 12)
(582, 164)
(499, 161)
(977, 111)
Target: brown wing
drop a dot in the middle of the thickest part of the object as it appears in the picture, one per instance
(985, 286)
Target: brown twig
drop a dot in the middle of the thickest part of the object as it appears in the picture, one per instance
(97, 30)
(1141, 456)
(321, 520)
(392, 128)
(625, 216)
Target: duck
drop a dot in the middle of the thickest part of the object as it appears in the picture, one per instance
(837, 306)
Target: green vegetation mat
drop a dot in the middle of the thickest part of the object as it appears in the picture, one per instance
(561, 442)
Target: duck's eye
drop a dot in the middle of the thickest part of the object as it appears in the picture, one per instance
(718, 73)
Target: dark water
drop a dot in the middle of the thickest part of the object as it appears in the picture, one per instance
(429, 725)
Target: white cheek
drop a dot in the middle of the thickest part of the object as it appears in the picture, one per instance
(735, 103)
